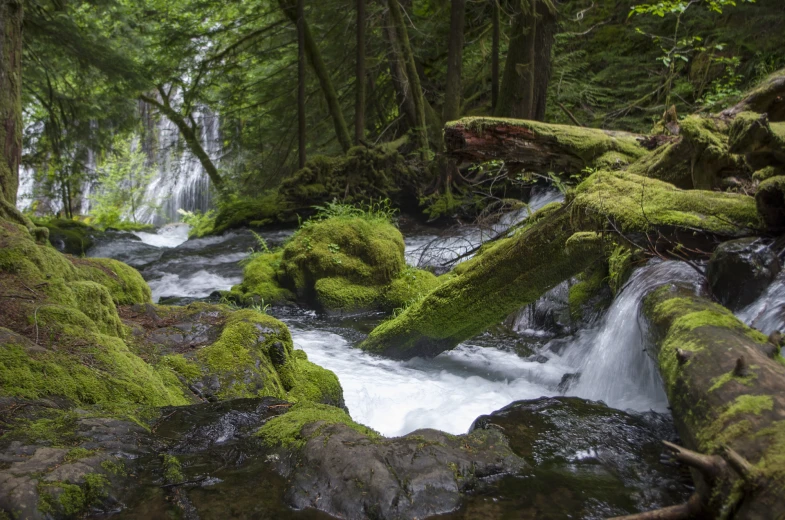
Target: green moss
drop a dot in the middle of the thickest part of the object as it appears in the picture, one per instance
(767, 173)
(78, 453)
(172, 469)
(620, 262)
(237, 211)
(313, 383)
(181, 366)
(589, 284)
(95, 301)
(57, 428)
(69, 236)
(719, 382)
(341, 294)
(286, 430)
(72, 500)
(409, 287)
(261, 281)
(731, 423)
(773, 462)
(124, 282)
(360, 175)
(637, 204)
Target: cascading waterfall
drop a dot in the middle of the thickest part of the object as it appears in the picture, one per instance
(180, 181)
(611, 360)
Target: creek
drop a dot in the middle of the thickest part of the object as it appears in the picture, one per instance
(604, 359)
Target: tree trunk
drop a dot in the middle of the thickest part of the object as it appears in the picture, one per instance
(495, 56)
(453, 92)
(359, 104)
(10, 97)
(302, 157)
(189, 134)
(527, 70)
(398, 75)
(320, 69)
(726, 395)
(539, 147)
(415, 89)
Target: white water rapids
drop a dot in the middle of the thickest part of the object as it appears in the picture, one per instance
(447, 392)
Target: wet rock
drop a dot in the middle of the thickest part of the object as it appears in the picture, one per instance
(346, 474)
(588, 460)
(740, 270)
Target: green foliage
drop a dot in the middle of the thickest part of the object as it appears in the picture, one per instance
(201, 223)
(124, 176)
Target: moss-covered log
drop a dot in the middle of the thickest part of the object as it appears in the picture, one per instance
(761, 141)
(540, 147)
(555, 245)
(511, 273)
(725, 391)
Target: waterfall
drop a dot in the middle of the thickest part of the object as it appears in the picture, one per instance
(180, 182)
(767, 313)
(611, 359)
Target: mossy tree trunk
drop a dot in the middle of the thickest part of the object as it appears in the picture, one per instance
(190, 132)
(415, 89)
(359, 104)
(398, 75)
(527, 70)
(496, 29)
(302, 156)
(726, 394)
(10, 97)
(320, 69)
(453, 91)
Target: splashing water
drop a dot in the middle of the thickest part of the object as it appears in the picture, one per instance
(611, 359)
(767, 313)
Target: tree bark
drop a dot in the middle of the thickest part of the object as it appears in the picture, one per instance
(301, 143)
(398, 75)
(189, 134)
(320, 69)
(495, 55)
(527, 70)
(453, 92)
(10, 98)
(415, 89)
(539, 147)
(717, 409)
(359, 104)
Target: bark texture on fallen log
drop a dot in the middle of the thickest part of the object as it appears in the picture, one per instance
(727, 399)
(540, 147)
(767, 98)
(556, 245)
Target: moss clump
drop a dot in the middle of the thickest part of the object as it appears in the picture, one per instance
(313, 383)
(340, 294)
(589, 285)
(95, 301)
(262, 277)
(181, 366)
(72, 500)
(265, 209)
(768, 172)
(172, 469)
(412, 285)
(68, 236)
(620, 263)
(637, 204)
(286, 430)
(125, 284)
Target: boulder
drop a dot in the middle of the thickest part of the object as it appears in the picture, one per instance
(740, 270)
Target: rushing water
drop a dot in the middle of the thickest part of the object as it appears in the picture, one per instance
(447, 392)
(767, 313)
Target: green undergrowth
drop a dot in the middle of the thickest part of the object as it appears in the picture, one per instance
(286, 430)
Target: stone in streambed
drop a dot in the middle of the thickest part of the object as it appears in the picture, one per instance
(740, 270)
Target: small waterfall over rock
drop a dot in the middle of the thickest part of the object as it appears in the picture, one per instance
(611, 359)
(767, 313)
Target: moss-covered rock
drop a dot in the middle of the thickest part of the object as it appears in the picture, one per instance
(268, 208)
(262, 279)
(221, 354)
(69, 236)
(770, 201)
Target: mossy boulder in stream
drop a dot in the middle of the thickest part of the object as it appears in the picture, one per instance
(740, 270)
(342, 263)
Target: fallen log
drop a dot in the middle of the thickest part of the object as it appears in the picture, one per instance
(766, 98)
(540, 147)
(554, 246)
(727, 402)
